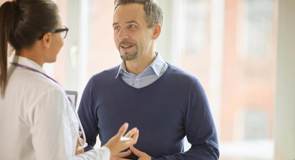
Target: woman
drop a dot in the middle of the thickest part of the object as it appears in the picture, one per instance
(36, 119)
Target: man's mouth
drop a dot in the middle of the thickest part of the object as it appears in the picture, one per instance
(126, 45)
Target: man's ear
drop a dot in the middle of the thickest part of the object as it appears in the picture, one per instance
(46, 40)
(156, 31)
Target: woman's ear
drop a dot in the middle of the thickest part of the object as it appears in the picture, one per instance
(46, 40)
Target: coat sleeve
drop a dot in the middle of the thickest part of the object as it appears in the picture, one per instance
(53, 135)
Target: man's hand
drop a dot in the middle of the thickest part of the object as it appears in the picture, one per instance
(141, 155)
(121, 156)
(116, 145)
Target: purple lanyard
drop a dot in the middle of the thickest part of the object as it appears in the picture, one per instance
(34, 70)
(37, 71)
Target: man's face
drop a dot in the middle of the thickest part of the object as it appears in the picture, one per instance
(132, 36)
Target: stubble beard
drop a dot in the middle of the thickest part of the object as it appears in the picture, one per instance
(128, 56)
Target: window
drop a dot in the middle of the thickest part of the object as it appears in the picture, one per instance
(196, 18)
(256, 24)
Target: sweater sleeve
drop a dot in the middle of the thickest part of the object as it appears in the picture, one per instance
(199, 129)
(87, 114)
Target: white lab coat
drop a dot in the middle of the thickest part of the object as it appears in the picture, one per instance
(37, 121)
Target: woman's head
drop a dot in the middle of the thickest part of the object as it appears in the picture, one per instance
(25, 23)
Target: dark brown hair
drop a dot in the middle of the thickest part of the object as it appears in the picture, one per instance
(153, 12)
(22, 23)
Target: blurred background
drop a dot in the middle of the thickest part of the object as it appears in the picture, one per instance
(229, 45)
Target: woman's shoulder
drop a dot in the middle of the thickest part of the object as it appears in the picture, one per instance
(35, 82)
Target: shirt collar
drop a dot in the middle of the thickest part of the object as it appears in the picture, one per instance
(27, 62)
(156, 66)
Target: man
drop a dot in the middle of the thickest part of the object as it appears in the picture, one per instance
(162, 101)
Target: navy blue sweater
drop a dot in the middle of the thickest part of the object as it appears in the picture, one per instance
(172, 107)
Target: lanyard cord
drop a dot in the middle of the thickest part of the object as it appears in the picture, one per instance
(34, 70)
(37, 71)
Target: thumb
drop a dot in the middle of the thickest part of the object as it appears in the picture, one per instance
(123, 129)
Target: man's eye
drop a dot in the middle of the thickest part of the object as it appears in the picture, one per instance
(131, 26)
(116, 28)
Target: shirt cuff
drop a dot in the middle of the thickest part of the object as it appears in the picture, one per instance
(103, 152)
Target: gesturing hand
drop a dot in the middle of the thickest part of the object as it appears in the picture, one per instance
(116, 145)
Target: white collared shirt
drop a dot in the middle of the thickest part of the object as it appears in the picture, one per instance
(148, 76)
(37, 121)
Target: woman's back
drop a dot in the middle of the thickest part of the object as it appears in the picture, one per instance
(32, 104)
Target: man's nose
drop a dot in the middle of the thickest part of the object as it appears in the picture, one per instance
(123, 34)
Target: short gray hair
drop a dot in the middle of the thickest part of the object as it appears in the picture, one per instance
(153, 12)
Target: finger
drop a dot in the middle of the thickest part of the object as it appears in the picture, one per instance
(123, 154)
(137, 152)
(135, 136)
(132, 132)
(122, 129)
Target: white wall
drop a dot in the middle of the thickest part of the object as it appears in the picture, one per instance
(285, 102)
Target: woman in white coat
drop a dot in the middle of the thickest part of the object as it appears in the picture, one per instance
(36, 119)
